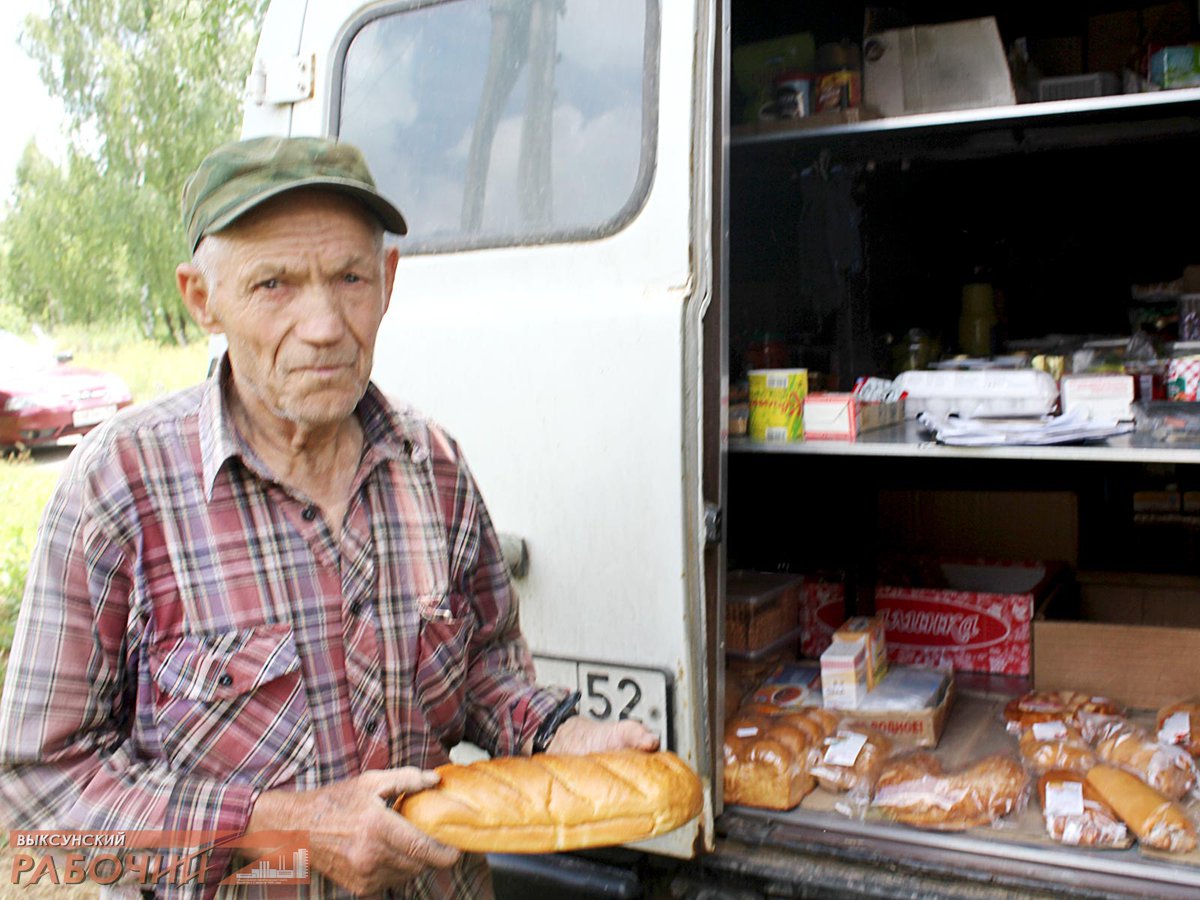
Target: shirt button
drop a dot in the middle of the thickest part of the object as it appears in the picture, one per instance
(310, 513)
(225, 680)
(372, 726)
(355, 608)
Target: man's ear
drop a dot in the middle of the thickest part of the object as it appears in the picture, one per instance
(193, 289)
(391, 256)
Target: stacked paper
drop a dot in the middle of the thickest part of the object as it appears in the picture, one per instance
(1065, 429)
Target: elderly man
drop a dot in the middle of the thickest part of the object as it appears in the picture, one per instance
(274, 600)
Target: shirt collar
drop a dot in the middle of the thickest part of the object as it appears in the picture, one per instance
(388, 432)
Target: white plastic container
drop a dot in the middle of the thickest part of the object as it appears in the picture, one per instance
(989, 392)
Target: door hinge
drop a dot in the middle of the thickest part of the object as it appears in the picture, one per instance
(713, 524)
(280, 80)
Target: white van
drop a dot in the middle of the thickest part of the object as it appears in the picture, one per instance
(593, 247)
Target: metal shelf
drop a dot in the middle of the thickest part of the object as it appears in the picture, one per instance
(911, 440)
(1054, 112)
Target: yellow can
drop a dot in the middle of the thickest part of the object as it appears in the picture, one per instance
(777, 404)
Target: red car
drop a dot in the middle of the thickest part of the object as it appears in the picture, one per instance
(44, 402)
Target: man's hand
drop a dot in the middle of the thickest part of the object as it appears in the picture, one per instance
(355, 837)
(578, 735)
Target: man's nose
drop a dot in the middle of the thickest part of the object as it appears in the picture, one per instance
(321, 317)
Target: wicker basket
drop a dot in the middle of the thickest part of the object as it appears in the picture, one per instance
(760, 608)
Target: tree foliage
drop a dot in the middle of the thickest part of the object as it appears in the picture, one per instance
(150, 86)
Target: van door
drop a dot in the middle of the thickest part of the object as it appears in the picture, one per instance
(551, 159)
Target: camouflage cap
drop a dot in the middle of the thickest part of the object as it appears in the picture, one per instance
(237, 177)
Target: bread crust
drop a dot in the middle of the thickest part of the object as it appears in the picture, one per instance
(547, 803)
(767, 759)
(1156, 820)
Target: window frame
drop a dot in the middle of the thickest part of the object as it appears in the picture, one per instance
(647, 156)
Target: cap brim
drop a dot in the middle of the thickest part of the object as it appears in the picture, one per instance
(388, 215)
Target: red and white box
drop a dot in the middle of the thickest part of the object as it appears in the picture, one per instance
(979, 618)
(822, 611)
(830, 416)
(1098, 397)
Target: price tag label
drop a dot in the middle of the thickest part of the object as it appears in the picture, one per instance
(1064, 798)
(844, 747)
(1049, 731)
(1176, 729)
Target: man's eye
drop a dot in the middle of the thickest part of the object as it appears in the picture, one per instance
(351, 278)
(268, 284)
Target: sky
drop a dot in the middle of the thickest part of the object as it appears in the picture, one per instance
(30, 111)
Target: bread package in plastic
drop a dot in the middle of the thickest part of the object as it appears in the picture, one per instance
(1179, 723)
(1055, 706)
(1076, 814)
(1158, 822)
(916, 790)
(850, 759)
(1055, 745)
(767, 758)
(1167, 768)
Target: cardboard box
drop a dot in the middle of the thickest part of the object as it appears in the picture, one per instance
(979, 618)
(822, 610)
(927, 68)
(844, 674)
(830, 416)
(791, 685)
(798, 684)
(1176, 67)
(1135, 638)
(867, 631)
(760, 608)
(908, 728)
(1099, 397)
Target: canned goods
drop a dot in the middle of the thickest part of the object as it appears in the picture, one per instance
(1183, 378)
(777, 404)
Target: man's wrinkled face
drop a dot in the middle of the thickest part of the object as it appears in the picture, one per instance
(299, 288)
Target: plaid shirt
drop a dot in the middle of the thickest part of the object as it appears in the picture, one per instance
(193, 634)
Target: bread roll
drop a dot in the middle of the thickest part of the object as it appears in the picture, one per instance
(1066, 750)
(767, 760)
(1095, 824)
(916, 790)
(547, 803)
(1156, 820)
(859, 775)
(1191, 710)
(1166, 768)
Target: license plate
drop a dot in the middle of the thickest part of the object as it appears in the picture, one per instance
(610, 693)
(94, 415)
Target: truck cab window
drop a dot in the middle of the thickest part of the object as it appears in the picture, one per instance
(527, 121)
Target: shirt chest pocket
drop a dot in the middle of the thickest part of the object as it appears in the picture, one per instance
(231, 705)
(443, 653)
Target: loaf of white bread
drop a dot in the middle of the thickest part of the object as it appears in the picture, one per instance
(546, 803)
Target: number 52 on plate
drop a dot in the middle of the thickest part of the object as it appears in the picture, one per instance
(609, 693)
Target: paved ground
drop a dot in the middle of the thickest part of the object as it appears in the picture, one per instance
(51, 457)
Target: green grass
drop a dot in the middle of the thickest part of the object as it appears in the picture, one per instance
(150, 369)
